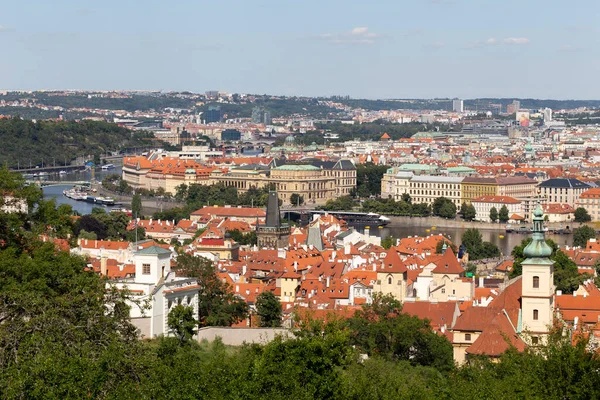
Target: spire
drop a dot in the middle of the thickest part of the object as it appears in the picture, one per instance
(444, 247)
(273, 216)
(538, 248)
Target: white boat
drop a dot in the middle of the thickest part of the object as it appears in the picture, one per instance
(107, 167)
(62, 172)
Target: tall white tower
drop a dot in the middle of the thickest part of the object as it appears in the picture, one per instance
(537, 298)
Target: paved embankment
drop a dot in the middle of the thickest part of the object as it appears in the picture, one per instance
(456, 223)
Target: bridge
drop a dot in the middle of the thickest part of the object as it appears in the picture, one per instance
(44, 183)
(50, 170)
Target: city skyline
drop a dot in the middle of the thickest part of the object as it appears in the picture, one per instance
(451, 49)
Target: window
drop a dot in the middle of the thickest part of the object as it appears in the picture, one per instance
(146, 269)
(443, 291)
(534, 340)
(535, 315)
(536, 282)
(467, 337)
(389, 280)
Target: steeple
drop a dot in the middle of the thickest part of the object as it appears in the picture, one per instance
(537, 285)
(273, 215)
(538, 248)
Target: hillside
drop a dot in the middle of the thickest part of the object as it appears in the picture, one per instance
(25, 142)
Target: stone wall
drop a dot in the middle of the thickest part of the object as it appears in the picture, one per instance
(239, 336)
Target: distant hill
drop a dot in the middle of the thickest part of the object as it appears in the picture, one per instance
(483, 103)
(24, 142)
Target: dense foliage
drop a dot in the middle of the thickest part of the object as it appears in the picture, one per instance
(28, 143)
(368, 179)
(217, 305)
(582, 235)
(476, 247)
(393, 207)
(581, 215)
(443, 207)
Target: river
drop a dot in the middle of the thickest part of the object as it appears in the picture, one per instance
(56, 191)
(505, 244)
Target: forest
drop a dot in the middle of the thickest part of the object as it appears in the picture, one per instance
(28, 143)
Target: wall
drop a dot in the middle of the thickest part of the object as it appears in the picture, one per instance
(239, 336)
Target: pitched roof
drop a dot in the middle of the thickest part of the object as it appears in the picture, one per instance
(153, 250)
(448, 264)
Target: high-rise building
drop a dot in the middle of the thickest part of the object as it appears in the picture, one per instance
(457, 105)
(267, 118)
(513, 107)
(258, 115)
(547, 114)
(213, 114)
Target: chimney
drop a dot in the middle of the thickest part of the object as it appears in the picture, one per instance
(244, 269)
(559, 292)
(103, 265)
(481, 281)
(327, 282)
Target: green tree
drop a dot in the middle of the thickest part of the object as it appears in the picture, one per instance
(268, 308)
(381, 328)
(581, 215)
(468, 211)
(136, 206)
(438, 203)
(448, 210)
(388, 242)
(494, 214)
(476, 247)
(503, 216)
(406, 198)
(296, 199)
(217, 305)
(182, 323)
(582, 235)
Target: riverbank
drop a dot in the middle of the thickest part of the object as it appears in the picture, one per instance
(150, 205)
(438, 222)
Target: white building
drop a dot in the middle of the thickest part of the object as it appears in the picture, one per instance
(484, 204)
(458, 105)
(155, 290)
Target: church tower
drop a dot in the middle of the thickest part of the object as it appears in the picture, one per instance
(273, 234)
(537, 283)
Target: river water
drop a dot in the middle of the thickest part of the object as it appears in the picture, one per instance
(505, 243)
(56, 191)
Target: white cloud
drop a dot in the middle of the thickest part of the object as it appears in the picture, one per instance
(516, 41)
(358, 35)
(493, 42)
(2, 28)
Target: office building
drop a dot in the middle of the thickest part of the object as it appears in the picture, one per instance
(457, 105)
(213, 114)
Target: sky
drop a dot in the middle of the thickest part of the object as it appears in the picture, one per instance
(365, 49)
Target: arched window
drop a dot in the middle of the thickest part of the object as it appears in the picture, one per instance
(535, 315)
(389, 280)
(536, 282)
(414, 292)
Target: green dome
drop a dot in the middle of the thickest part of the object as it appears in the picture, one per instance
(538, 248)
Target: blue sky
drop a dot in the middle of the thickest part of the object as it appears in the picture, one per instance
(375, 49)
